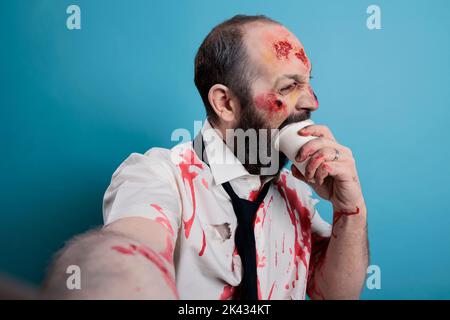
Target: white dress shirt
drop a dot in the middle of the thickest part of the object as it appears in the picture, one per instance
(175, 188)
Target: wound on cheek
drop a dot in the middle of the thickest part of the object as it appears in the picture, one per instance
(270, 102)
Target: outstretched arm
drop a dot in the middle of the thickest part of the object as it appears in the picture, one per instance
(131, 258)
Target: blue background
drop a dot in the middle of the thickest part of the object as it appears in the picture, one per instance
(75, 104)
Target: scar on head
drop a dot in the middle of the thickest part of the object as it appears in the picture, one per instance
(282, 49)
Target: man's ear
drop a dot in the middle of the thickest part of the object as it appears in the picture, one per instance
(224, 103)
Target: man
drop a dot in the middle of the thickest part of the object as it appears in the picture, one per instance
(177, 221)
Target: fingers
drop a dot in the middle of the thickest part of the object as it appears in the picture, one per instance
(317, 159)
(322, 172)
(296, 173)
(336, 169)
(317, 131)
(312, 146)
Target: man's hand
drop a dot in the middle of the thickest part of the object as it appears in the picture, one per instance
(331, 169)
(340, 270)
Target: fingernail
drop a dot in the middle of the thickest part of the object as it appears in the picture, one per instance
(302, 157)
(303, 132)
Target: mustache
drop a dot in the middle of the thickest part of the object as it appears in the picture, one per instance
(296, 117)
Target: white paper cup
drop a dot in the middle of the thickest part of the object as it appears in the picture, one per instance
(289, 142)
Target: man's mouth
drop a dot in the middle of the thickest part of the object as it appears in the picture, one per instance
(297, 117)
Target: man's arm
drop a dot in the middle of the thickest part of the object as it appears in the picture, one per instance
(130, 258)
(340, 269)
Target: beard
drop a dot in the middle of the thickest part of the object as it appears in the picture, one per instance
(251, 120)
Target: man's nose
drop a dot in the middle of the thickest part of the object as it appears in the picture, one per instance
(308, 100)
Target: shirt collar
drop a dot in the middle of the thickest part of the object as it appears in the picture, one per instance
(225, 166)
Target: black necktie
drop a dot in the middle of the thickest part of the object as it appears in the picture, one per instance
(244, 238)
(245, 211)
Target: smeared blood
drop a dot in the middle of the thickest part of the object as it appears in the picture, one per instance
(282, 49)
(123, 250)
(205, 184)
(270, 102)
(276, 254)
(258, 215)
(203, 245)
(156, 259)
(227, 293)
(271, 290)
(253, 195)
(152, 256)
(338, 215)
(300, 54)
(300, 220)
(168, 251)
(260, 260)
(265, 208)
(189, 160)
(163, 219)
(259, 290)
(235, 253)
(158, 208)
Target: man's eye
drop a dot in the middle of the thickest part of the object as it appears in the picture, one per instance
(288, 88)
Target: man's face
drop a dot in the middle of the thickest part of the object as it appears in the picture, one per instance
(282, 93)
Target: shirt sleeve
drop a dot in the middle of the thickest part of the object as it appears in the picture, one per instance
(144, 186)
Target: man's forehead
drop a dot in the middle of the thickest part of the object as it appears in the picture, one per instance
(274, 46)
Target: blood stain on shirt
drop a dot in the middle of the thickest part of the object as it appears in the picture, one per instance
(189, 160)
(301, 221)
(168, 251)
(265, 208)
(227, 293)
(271, 290)
(203, 244)
(205, 183)
(253, 195)
(260, 260)
(259, 290)
(276, 254)
(163, 219)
